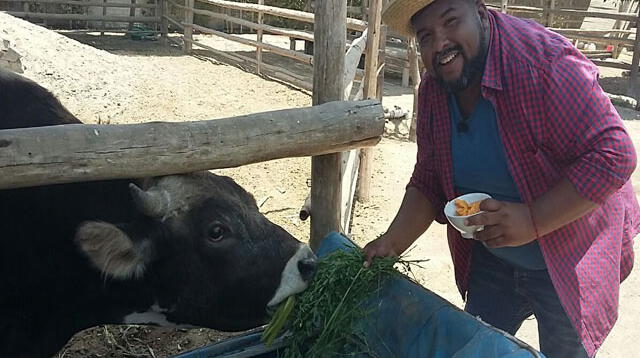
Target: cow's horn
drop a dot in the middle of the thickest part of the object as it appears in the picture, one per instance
(151, 202)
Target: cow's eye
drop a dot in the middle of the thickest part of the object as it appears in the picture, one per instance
(217, 232)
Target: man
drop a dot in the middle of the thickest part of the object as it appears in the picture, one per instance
(511, 109)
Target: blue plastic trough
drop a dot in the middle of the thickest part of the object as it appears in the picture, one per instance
(409, 322)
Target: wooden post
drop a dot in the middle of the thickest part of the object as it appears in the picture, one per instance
(624, 7)
(104, 13)
(364, 4)
(351, 159)
(406, 73)
(382, 54)
(330, 36)
(259, 39)
(164, 24)
(241, 16)
(635, 61)
(188, 27)
(370, 89)
(504, 6)
(547, 16)
(132, 13)
(415, 75)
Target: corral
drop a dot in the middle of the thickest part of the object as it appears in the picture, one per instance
(117, 80)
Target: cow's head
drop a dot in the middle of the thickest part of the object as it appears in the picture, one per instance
(204, 249)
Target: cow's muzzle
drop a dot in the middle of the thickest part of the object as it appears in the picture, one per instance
(296, 275)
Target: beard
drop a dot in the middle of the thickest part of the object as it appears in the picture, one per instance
(472, 69)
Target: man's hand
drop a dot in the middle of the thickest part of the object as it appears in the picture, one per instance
(505, 224)
(380, 247)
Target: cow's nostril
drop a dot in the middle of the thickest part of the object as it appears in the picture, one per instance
(307, 268)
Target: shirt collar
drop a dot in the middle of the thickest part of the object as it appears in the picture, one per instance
(492, 70)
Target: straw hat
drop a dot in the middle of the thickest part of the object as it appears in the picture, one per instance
(397, 15)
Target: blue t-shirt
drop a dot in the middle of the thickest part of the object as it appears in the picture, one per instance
(480, 165)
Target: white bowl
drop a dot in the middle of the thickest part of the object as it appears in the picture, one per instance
(458, 221)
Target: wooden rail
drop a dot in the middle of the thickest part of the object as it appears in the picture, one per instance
(586, 13)
(84, 152)
(304, 58)
(39, 15)
(353, 24)
(87, 3)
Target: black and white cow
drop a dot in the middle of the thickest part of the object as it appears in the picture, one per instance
(188, 249)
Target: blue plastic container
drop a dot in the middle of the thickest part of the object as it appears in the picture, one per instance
(409, 322)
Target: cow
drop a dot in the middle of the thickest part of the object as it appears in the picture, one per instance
(188, 250)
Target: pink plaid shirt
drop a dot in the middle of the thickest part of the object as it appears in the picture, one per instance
(555, 122)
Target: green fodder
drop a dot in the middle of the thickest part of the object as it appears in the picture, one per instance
(322, 321)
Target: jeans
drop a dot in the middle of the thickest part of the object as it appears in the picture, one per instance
(504, 296)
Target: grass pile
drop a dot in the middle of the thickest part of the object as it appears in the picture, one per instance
(320, 322)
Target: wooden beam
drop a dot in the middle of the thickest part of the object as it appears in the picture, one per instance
(303, 35)
(595, 14)
(592, 32)
(86, 3)
(304, 58)
(635, 61)
(259, 40)
(330, 31)
(353, 24)
(352, 59)
(415, 74)
(84, 152)
(81, 17)
(370, 91)
(350, 161)
(549, 12)
(270, 71)
(382, 61)
(625, 16)
(104, 13)
(164, 24)
(597, 39)
(611, 64)
(188, 25)
(132, 13)
(176, 23)
(90, 30)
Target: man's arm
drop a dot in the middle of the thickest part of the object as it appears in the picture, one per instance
(515, 224)
(583, 135)
(414, 217)
(558, 207)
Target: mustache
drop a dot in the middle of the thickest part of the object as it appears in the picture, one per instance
(438, 56)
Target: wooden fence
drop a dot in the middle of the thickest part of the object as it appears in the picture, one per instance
(94, 14)
(190, 8)
(616, 37)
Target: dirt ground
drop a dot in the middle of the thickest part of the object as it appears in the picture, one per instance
(116, 80)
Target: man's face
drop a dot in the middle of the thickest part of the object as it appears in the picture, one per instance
(453, 41)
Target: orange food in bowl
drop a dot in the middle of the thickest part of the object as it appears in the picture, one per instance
(463, 208)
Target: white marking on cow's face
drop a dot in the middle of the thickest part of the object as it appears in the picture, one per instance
(155, 315)
(291, 281)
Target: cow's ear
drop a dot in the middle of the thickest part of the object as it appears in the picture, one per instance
(112, 251)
